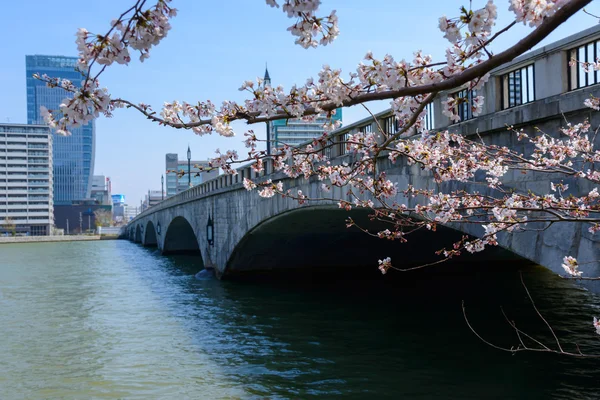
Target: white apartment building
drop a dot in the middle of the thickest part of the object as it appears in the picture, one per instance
(130, 212)
(153, 198)
(26, 193)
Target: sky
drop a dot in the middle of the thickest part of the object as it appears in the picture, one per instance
(212, 49)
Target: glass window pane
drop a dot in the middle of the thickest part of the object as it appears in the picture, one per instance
(518, 86)
(591, 58)
(511, 89)
(581, 71)
(530, 84)
(524, 98)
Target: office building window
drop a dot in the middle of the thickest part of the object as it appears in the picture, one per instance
(390, 125)
(429, 122)
(579, 57)
(366, 128)
(518, 87)
(464, 102)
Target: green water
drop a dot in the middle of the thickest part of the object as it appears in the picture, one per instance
(111, 320)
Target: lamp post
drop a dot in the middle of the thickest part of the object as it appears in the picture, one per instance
(267, 84)
(189, 154)
(162, 186)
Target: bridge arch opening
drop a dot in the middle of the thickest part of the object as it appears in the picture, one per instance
(180, 238)
(317, 239)
(150, 239)
(138, 234)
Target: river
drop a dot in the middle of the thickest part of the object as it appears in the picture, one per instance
(112, 320)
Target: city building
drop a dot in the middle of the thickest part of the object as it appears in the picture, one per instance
(294, 132)
(73, 155)
(118, 202)
(101, 188)
(130, 212)
(121, 211)
(152, 198)
(118, 199)
(79, 217)
(174, 183)
(26, 194)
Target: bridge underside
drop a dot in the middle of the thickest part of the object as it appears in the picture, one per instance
(318, 239)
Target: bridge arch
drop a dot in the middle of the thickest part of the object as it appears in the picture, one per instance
(316, 237)
(150, 239)
(180, 238)
(138, 234)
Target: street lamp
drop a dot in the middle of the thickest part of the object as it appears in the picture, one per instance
(267, 84)
(162, 186)
(189, 154)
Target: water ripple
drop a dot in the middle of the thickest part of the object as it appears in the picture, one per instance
(112, 320)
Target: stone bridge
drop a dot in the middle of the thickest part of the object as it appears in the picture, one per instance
(253, 234)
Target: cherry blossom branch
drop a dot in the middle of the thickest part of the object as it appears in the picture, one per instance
(522, 346)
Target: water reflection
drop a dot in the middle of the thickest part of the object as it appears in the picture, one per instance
(114, 320)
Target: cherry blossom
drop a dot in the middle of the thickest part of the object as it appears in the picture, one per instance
(385, 264)
(308, 27)
(534, 11)
(570, 265)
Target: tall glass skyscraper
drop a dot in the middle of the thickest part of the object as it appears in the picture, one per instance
(73, 155)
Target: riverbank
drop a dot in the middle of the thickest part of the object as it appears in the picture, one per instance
(37, 239)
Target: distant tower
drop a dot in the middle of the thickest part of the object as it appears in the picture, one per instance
(267, 83)
(267, 79)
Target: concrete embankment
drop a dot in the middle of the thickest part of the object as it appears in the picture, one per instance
(37, 239)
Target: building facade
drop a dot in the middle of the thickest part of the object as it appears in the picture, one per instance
(118, 203)
(152, 198)
(73, 155)
(171, 165)
(118, 199)
(129, 212)
(79, 217)
(101, 192)
(294, 132)
(26, 193)
(176, 184)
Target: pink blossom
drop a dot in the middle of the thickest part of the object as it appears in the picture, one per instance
(570, 265)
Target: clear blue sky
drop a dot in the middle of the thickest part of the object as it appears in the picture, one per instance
(212, 48)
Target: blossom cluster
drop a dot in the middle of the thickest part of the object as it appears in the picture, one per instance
(86, 104)
(534, 11)
(308, 26)
(141, 32)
